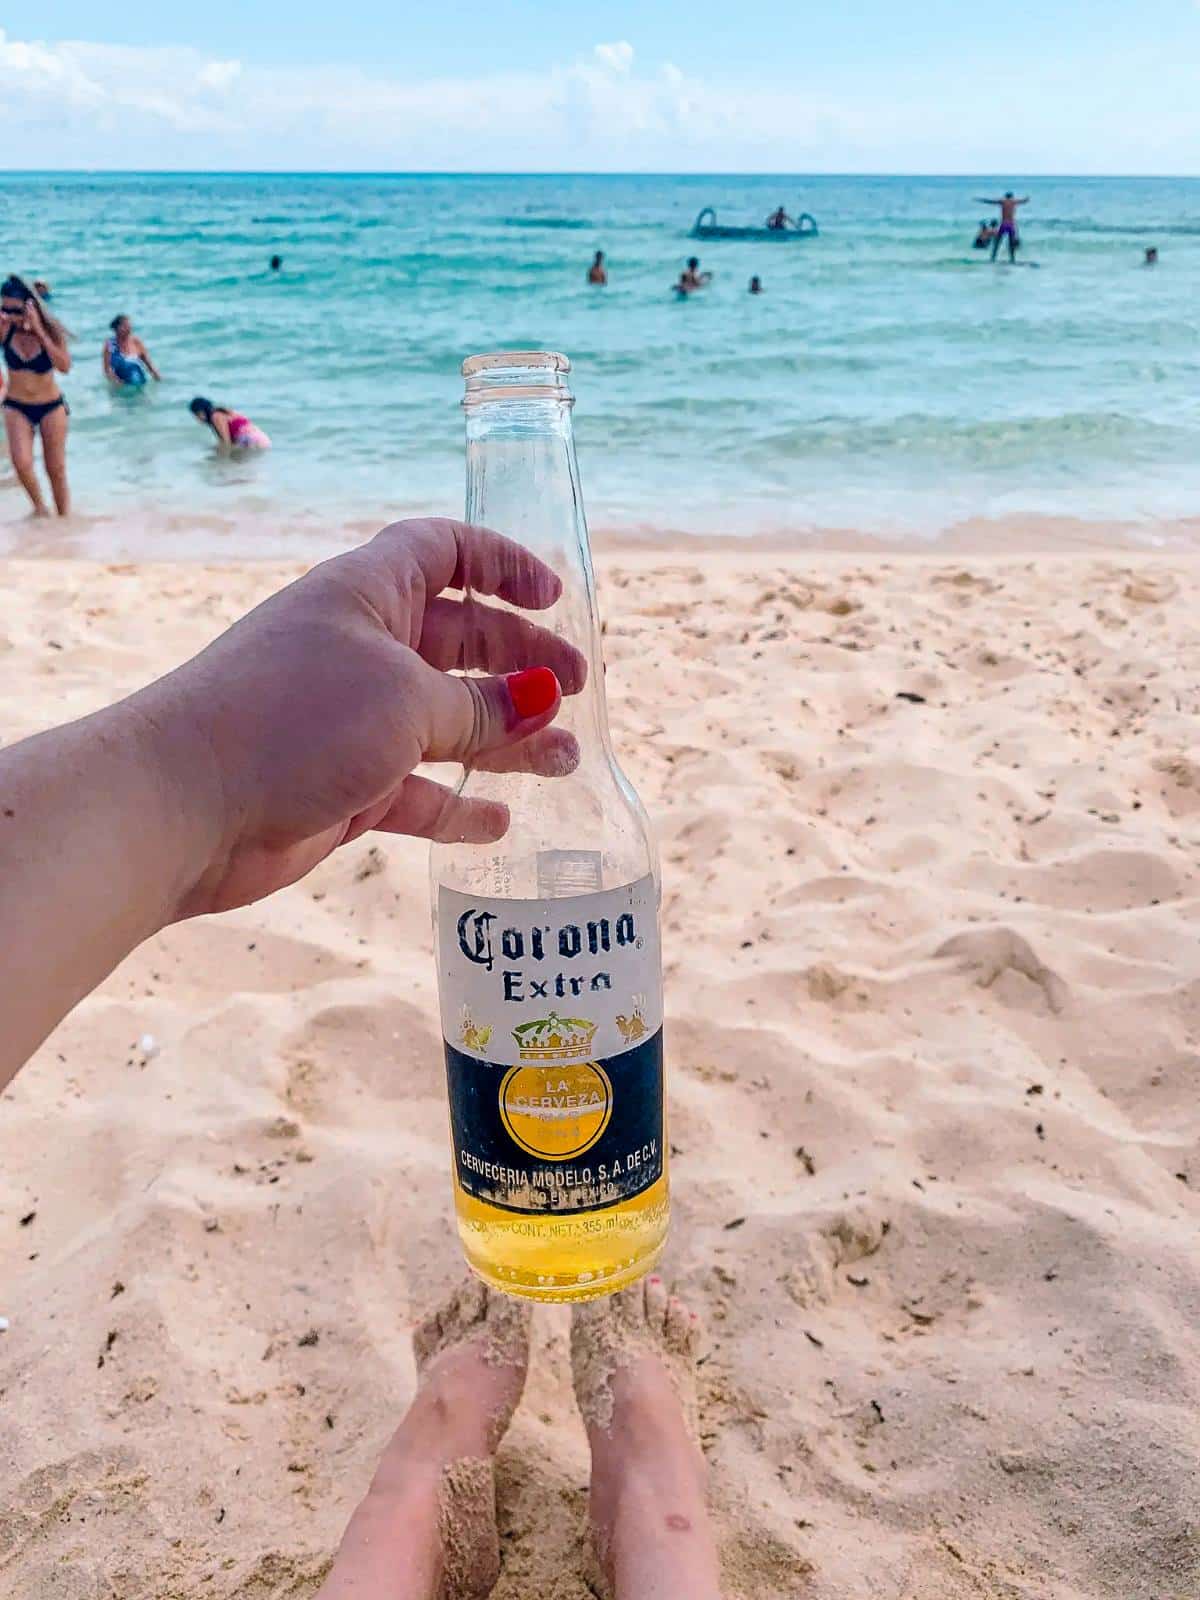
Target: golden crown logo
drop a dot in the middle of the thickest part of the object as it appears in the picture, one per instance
(555, 1038)
(471, 1034)
(633, 1027)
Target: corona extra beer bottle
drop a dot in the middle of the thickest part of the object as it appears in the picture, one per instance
(549, 965)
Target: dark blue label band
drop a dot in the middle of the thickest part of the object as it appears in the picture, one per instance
(558, 1137)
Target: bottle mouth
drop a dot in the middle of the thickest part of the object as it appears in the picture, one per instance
(516, 375)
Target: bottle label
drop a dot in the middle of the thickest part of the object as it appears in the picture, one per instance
(552, 1018)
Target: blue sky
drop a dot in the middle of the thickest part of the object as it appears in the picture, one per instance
(864, 85)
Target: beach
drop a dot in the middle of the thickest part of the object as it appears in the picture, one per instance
(929, 827)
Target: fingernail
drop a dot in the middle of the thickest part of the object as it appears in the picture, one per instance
(532, 691)
(656, 1278)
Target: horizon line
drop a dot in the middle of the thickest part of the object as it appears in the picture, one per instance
(571, 172)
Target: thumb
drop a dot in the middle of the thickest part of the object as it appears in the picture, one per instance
(467, 716)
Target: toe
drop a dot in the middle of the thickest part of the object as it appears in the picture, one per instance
(507, 1321)
(695, 1335)
(427, 1337)
(628, 1306)
(655, 1292)
(586, 1314)
(676, 1325)
(473, 1300)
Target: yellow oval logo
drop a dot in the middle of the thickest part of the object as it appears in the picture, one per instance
(556, 1112)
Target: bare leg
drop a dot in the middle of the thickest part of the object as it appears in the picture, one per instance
(54, 455)
(634, 1361)
(20, 450)
(427, 1528)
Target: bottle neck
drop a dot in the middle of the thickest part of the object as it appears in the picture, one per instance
(523, 480)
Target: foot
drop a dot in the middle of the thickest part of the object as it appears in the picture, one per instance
(634, 1361)
(428, 1525)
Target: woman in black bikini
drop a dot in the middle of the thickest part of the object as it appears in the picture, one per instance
(35, 348)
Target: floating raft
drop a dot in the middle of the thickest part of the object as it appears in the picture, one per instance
(706, 226)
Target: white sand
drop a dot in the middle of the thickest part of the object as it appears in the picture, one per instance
(933, 998)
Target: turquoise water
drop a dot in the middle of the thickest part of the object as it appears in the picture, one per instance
(888, 379)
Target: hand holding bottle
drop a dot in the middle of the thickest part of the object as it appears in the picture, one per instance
(315, 708)
(295, 731)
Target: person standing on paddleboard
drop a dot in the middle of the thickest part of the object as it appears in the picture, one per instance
(1008, 222)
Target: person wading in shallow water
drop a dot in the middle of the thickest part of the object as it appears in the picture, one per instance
(295, 732)
(125, 359)
(35, 350)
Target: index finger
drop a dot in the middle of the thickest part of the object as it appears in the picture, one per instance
(460, 555)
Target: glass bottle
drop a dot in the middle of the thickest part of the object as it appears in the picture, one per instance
(549, 964)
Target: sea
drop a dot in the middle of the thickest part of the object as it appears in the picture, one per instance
(889, 380)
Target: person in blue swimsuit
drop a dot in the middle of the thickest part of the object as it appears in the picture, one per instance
(126, 359)
(34, 345)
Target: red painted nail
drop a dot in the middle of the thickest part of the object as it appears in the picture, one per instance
(532, 691)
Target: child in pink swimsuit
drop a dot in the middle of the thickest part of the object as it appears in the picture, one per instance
(232, 429)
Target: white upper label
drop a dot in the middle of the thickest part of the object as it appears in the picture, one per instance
(550, 979)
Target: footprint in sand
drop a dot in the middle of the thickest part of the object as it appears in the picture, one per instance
(41, 1504)
(996, 956)
(840, 1240)
(1181, 788)
(965, 582)
(1151, 588)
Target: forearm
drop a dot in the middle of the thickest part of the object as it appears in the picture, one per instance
(60, 356)
(97, 847)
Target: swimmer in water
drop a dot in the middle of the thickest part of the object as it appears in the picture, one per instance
(598, 272)
(276, 263)
(41, 288)
(1151, 256)
(779, 219)
(1008, 222)
(691, 278)
(756, 285)
(984, 237)
(126, 359)
(233, 430)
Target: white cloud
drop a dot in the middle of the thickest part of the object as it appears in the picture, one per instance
(83, 103)
(88, 83)
(38, 69)
(218, 74)
(619, 56)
